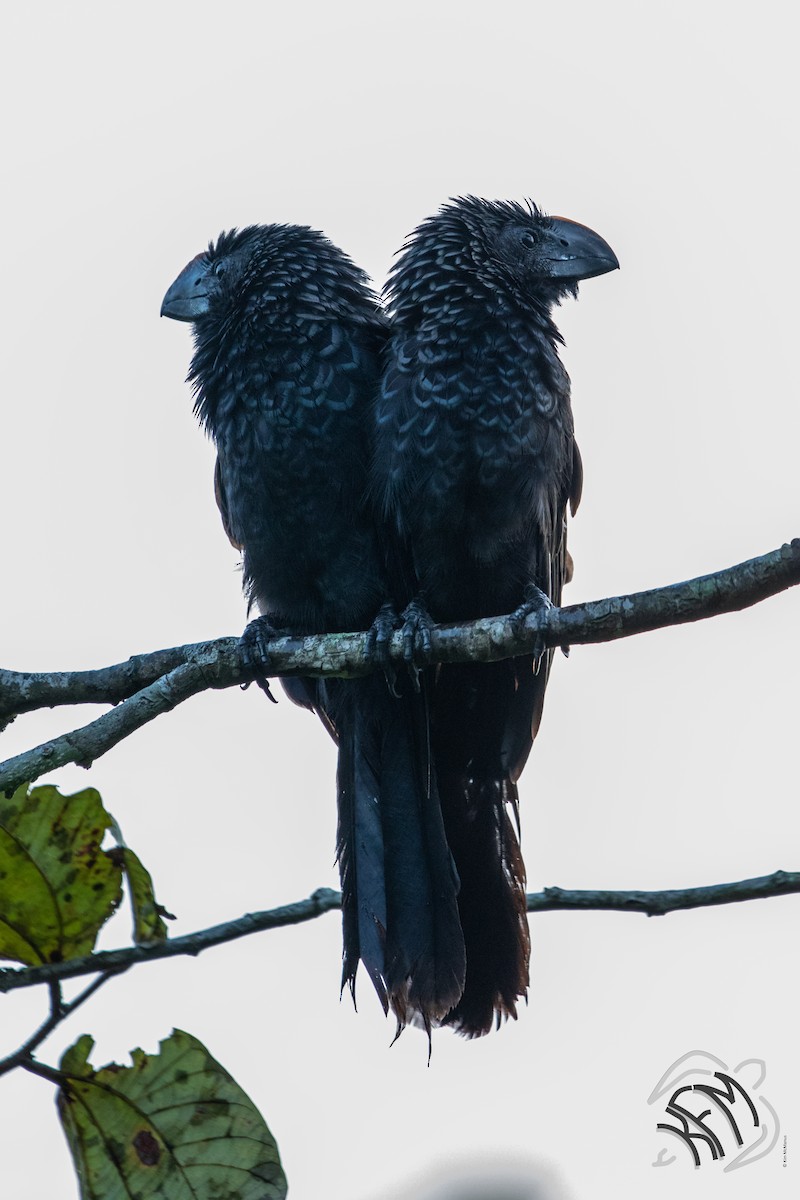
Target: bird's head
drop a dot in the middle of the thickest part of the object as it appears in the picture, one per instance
(268, 266)
(254, 295)
(537, 251)
(213, 278)
(499, 246)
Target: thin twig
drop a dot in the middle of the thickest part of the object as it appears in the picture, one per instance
(658, 904)
(58, 1013)
(43, 1071)
(780, 883)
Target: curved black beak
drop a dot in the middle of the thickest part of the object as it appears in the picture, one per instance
(189, 296)
(576, 252)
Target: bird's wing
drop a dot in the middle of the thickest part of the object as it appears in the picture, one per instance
(224, 509)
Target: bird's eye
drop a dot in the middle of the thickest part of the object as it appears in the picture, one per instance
(219, 270)
(529, 240)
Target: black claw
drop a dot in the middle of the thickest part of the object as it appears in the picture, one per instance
(254, 652)
(534, 604)
(379, 635)
(390, 675)
(417, 642)
(408, 644)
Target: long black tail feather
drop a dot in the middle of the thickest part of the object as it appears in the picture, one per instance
(491, 903)
(399, 883)
(360, 847)
(484, 720)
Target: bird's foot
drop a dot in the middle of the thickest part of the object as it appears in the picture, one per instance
(535, 604)
(254, 652)
(417, 628)
(379, 636)
(417, 645)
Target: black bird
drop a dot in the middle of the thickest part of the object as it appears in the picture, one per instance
(475, 467)
(288, 344)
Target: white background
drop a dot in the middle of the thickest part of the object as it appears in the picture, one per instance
(133, 135)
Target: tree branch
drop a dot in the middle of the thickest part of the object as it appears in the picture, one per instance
(58, 1013)
(217, 664)
(321, 901)
(22, 692)
(780, 883)
(214, 665)
(658, 904)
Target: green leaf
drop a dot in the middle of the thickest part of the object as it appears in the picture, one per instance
(174, 1126)
(75, 1059)
(147, 923)
(57, 887)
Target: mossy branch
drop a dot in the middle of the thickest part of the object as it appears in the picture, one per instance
(151, 684)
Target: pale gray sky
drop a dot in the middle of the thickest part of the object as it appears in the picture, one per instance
(132, 136)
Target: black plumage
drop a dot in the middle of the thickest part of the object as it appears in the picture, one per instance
(288, 345)
(475, 467)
